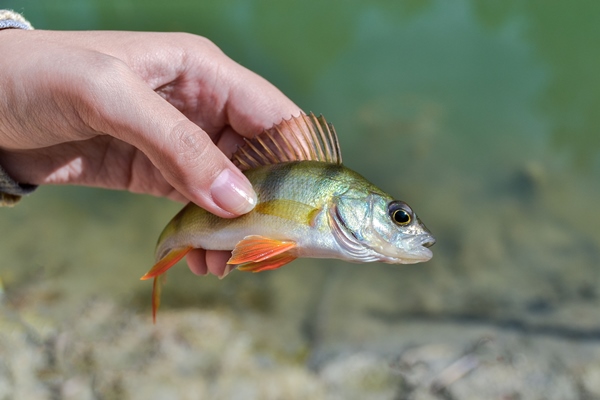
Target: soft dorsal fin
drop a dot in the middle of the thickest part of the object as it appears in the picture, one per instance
(304, 137)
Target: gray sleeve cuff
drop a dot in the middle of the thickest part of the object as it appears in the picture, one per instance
(9, 23)
(10, 190)
(12, 20)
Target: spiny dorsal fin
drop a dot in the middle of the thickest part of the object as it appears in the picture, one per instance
(305, 137)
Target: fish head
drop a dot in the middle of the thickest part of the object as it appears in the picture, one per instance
(374, 227)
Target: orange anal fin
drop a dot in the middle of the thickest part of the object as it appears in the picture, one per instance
(254, 248)
(166, 262)
(271, 263)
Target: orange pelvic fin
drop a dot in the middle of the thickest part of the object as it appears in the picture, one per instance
(270, 263)
(254, 249)
(166, 262)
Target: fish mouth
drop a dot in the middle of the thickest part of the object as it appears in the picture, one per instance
(429, 242)
(417, 255)
(419, 252)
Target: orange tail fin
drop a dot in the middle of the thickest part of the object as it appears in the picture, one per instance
(166, 262)
(160, 268)
(156, 297)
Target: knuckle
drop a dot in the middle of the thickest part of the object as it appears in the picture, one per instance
(188, 143)
(192, 146)
(104, 72)
(99, 85)
(196, 42)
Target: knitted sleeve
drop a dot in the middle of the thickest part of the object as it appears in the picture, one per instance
(10, 190)
(11, 19)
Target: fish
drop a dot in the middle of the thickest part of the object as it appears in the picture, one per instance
(309, 205)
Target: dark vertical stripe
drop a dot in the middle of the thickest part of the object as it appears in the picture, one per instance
(328, 172)
(303, 180)
(273, 180)
(324, 185)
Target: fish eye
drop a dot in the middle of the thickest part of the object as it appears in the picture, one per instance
(401, 217)
(400, 213)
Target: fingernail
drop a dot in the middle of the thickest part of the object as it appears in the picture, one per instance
(233, 193)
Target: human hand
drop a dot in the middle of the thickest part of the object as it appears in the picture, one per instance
(156, 113)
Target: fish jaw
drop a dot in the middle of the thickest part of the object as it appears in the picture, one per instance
(402, 249)
(417, 254)
(365, 232)
(353, 249)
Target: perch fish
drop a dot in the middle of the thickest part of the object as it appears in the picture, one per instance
(309, 205)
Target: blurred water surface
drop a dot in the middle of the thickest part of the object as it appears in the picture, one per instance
(483, 115)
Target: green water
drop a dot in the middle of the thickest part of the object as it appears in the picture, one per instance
(483, 115)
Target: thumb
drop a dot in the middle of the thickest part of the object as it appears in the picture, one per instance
(197, 168)
(185, 154)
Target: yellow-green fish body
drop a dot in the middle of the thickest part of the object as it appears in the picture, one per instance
(307, 202)
(309, 205)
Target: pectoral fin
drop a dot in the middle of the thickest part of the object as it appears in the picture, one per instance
(258, 253)
(288, 209)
